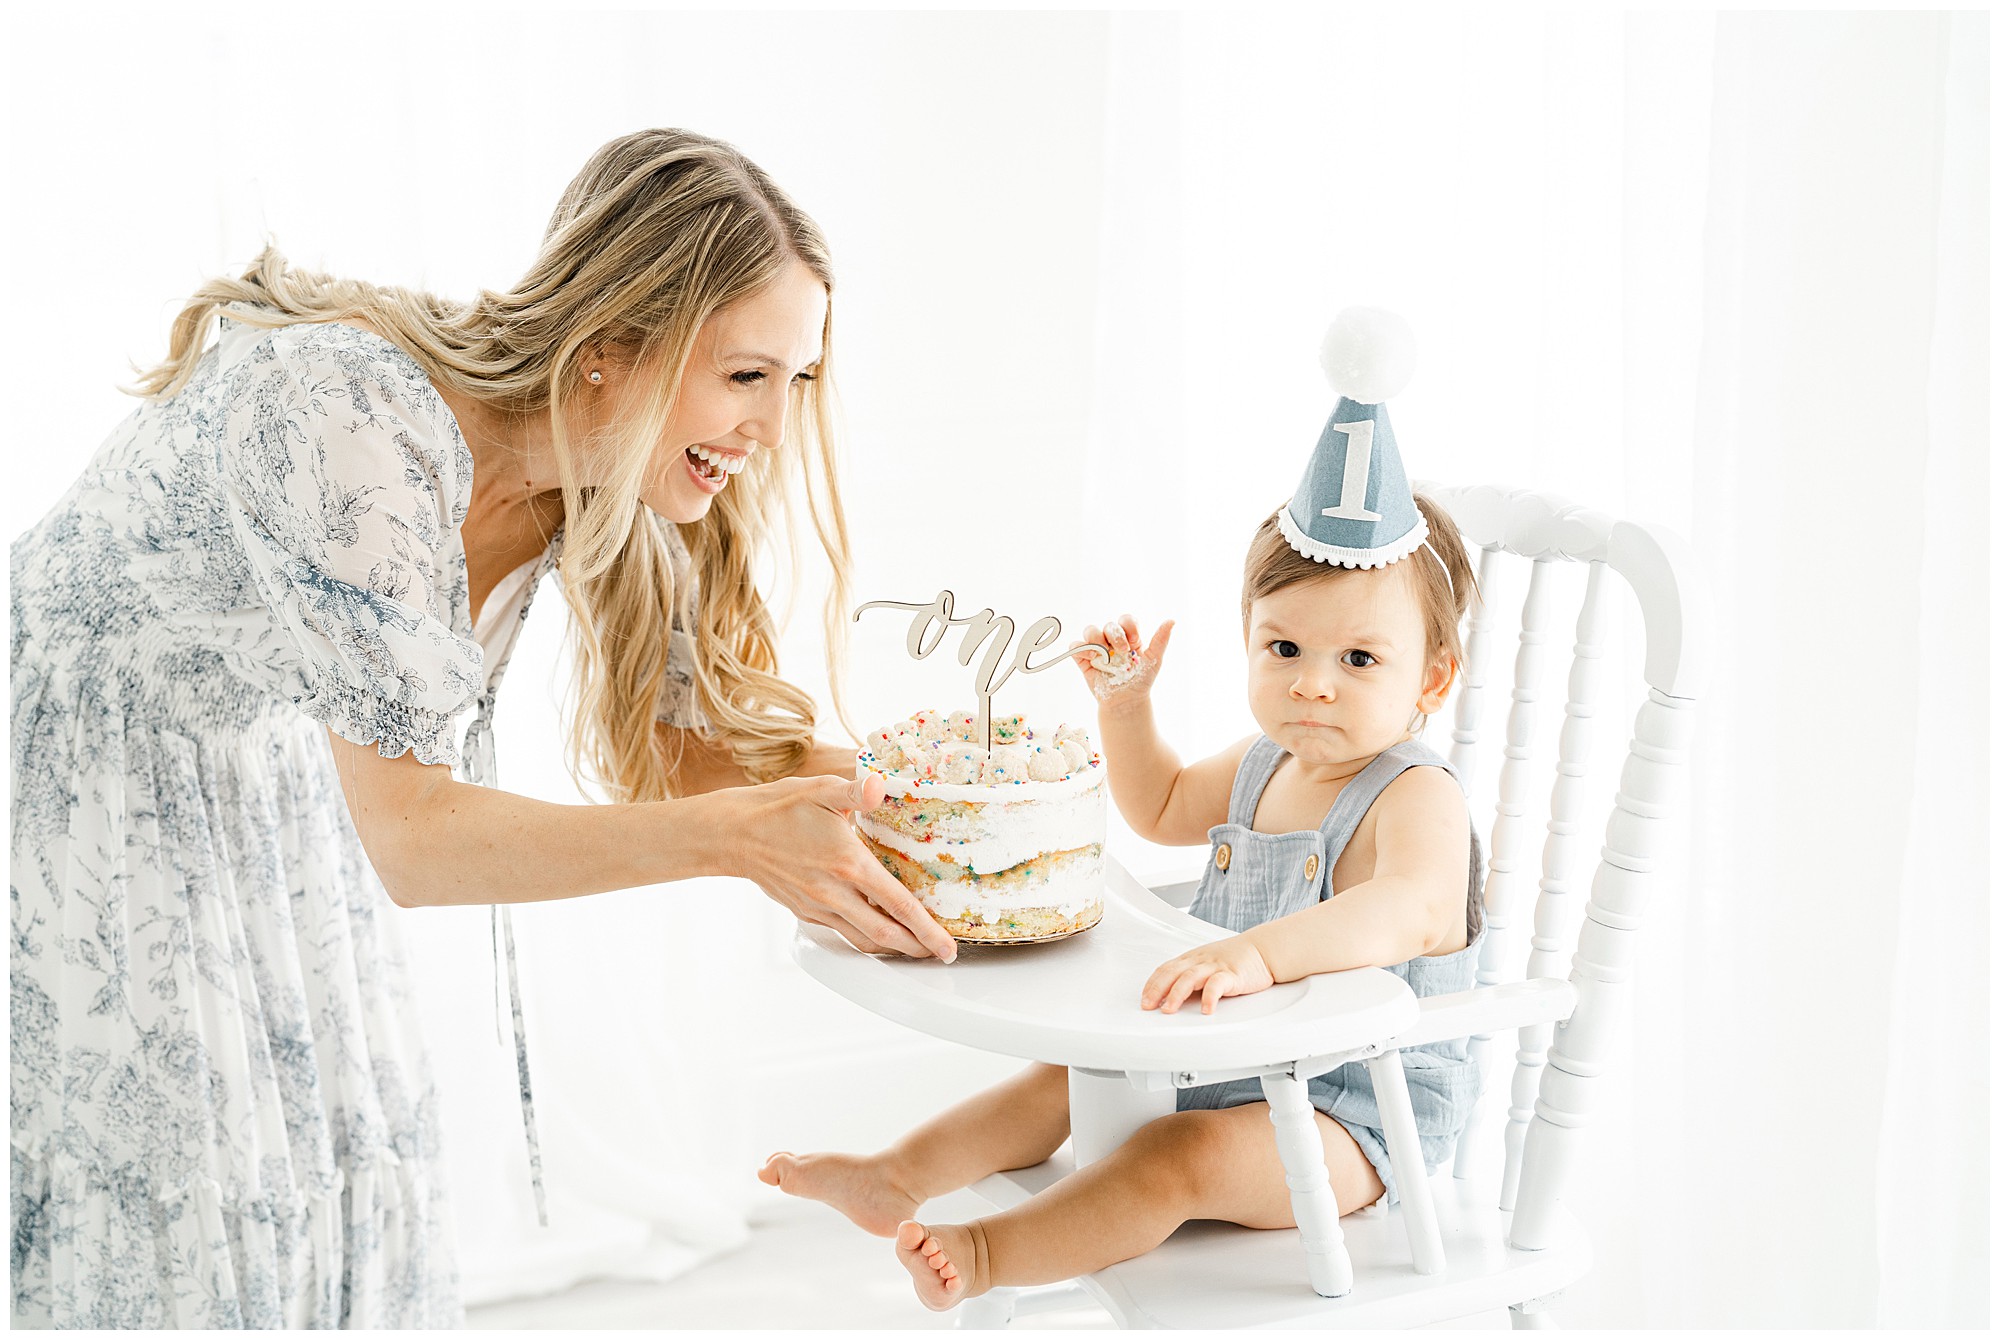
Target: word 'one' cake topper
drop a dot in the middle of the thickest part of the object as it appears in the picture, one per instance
(933, 619)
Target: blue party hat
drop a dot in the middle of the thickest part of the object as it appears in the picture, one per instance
(1354, 507)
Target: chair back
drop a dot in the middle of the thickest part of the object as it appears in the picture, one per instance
(1538, 768)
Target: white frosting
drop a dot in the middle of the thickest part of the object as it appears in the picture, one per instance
(925, 751)
(1070, 892)
(904, 783)
(1000, 836)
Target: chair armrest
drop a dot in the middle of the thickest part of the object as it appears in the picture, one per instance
(1489, 1009)
(1173, 874)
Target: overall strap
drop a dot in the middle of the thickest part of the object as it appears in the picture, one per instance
(1366, 788)
(1253, 774)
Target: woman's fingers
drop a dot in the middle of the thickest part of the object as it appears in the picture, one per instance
(900, 903)
(887, 934)
(908, 928)
(852, 936)
(868, 892)
(847, 913)
(844, 797)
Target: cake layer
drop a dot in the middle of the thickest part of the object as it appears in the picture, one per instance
(1066, 882)
(986, 837)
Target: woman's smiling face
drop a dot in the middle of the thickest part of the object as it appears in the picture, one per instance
(1338, 665)
(735, 390)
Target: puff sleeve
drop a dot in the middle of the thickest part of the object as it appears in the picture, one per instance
(346, 480)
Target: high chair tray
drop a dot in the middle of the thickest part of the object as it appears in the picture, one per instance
(1075, 1002)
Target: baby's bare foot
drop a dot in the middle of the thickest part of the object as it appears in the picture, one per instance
(942, 1261)
(858, 1187)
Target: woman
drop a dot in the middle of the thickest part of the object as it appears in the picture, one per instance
(290, 580)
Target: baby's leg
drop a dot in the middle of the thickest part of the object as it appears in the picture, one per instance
(1191, 1165)
(1014, 1124)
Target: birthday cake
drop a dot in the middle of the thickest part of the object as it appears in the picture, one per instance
(1000, 844)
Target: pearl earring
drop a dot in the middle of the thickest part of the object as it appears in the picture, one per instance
(596, 377)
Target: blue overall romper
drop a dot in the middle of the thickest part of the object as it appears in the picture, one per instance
(1257, 877)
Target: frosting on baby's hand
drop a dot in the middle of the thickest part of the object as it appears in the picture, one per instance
(1115, 669)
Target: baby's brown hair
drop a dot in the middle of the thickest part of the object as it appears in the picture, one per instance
(1272, 565)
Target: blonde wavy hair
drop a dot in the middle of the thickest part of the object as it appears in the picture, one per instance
(661, 229)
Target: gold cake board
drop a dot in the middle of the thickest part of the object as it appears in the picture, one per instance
(1026, 939)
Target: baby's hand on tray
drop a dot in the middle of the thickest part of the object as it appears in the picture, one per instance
(1121, 671)
(1231, 967)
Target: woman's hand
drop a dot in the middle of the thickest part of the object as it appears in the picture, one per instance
(798, 845)
(1232, 967)
(1122, 673)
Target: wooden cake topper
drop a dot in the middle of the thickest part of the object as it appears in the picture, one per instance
(933, 619)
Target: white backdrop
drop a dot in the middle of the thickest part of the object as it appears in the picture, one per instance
(1728, 273)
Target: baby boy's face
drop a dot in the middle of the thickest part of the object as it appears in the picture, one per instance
(1337, 664)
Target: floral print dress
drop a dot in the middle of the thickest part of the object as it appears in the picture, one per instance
(221, 1111)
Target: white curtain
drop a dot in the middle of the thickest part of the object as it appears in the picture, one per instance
(1724, 272)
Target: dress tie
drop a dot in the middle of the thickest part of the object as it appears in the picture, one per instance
(481, 768)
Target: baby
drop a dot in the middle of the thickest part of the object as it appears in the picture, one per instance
(1338, 841)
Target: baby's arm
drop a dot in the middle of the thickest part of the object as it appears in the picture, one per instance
(1412, 904)
(1161, 800)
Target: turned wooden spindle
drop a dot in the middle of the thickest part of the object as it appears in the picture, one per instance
(1601, 972)
(1507, 863)
(1313, 1205)
(1549, 948)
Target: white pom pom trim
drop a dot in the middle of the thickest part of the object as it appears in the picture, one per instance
(1369, 354)
(1341, 556)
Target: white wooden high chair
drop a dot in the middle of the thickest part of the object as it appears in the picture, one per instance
(1464, 1244)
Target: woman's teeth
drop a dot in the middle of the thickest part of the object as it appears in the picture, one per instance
(714, 465)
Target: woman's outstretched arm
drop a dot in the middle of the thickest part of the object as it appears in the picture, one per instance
(437, 841)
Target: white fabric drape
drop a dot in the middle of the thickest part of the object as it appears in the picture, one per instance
(1725, 272)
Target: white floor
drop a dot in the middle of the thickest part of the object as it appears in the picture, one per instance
(806, 1268)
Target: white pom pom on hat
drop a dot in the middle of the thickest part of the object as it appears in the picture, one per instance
(1369, 354)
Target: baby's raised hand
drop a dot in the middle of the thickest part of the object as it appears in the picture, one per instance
(1121, 670)
(1232, 967)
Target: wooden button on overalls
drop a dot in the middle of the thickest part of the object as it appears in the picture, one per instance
(1222, 856)
(1312, 867)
